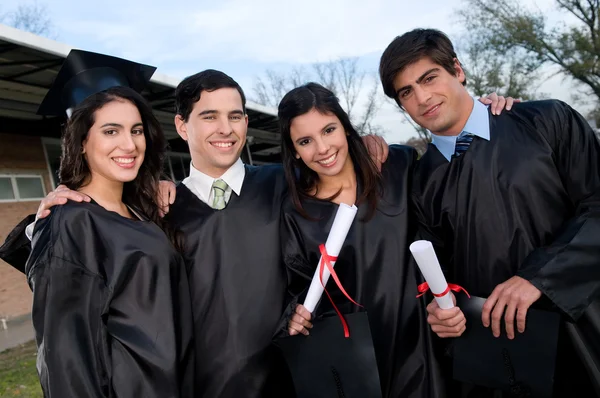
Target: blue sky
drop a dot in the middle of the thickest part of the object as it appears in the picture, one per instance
(244, 38)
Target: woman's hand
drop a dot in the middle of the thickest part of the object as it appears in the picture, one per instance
(300, 322)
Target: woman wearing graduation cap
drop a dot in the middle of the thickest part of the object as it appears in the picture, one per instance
(111, 309)
(327, 164)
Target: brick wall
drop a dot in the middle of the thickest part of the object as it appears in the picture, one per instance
(15, 295)
(18, 155)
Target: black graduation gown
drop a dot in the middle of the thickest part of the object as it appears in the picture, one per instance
(237, 286)
(111, 307)
(16, 247)
(375, 269)
(525, 203)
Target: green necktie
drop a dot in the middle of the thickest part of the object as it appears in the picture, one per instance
(218, 188)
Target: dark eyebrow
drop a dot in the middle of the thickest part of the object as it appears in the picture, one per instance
(111, 125)
(208, 112)
(419, 80)
(117, 125)
(214, 112)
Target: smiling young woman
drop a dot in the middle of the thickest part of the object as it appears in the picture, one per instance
(326, 164)
(111, 307)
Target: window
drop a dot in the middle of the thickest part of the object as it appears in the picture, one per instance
(6, 189)
(17, 187)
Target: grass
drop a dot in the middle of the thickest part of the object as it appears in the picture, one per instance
(18, 375)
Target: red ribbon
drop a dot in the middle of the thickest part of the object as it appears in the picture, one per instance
(424, 287)
(326, 262)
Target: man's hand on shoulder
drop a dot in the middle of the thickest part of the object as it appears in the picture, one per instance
(166, 196)
(59, 197)
(378, 149)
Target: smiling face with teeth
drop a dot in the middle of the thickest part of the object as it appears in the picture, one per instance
(215, 130)
(320, 141)
(115, 145)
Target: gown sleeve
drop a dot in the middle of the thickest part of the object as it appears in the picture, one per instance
(68, 302)
(16, 248)
(567, 270)
(298, 271)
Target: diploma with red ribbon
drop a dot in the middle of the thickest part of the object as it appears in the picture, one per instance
(326, 363)
(337, 235)
(422, 251)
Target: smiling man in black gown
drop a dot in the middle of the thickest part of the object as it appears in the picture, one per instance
(511, 202)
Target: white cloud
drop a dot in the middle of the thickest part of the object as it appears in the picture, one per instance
(262, 30)
(183, 36)
(307, 31)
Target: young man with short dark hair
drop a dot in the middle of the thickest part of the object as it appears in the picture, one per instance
(512, 202)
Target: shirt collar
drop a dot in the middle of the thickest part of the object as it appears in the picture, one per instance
(478, 124)
(234, 177)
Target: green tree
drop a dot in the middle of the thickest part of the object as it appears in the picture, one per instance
(511, 74)
(504, 26)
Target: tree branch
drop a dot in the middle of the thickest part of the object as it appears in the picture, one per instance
(343, 77)
(503, 25)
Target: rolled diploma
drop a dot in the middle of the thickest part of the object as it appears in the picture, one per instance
(339, 230)
(422, 251)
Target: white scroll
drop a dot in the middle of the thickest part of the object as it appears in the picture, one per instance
(339, 230)
(422, 251)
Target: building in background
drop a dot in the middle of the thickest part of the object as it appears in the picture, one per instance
(30, 144)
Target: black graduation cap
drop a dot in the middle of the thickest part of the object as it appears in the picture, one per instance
(523, 366)
(326, 364)
(85, 73)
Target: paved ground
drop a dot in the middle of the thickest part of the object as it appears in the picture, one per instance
(18, 331)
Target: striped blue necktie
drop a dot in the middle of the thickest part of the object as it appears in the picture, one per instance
(462, 144)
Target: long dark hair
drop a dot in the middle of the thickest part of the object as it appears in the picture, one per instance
(301, 179)
(141, 193)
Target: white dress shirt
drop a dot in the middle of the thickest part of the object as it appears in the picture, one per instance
(201, 184)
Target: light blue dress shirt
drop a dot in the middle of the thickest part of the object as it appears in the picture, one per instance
(478, 124)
